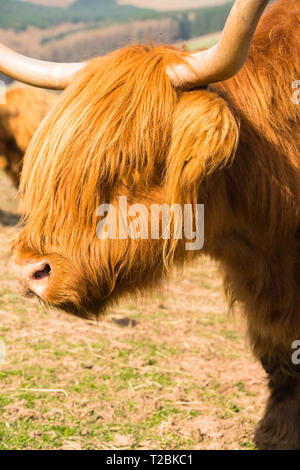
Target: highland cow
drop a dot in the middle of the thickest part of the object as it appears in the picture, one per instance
(20, 115)
(217, 127)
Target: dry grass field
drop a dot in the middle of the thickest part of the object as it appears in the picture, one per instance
(172, 371)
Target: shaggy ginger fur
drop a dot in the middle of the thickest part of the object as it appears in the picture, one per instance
(121, 129)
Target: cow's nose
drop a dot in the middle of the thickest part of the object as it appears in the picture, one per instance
(33, 276)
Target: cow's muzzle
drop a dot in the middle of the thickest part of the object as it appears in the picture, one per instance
(33, 277)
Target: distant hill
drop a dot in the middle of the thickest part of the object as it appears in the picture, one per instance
(51, 3)
(20, 14)
(164, 5)
(152, 4)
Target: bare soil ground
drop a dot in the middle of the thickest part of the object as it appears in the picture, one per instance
(170, 372)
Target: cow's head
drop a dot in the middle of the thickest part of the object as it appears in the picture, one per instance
(139, 123)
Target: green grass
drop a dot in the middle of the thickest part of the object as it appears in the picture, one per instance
(204, 41)
(177, 377)
(37, 426)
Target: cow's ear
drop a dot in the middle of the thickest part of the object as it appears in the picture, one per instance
(204, 139)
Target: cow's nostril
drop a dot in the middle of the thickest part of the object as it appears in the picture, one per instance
(42, 273)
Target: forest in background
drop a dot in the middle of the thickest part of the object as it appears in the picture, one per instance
(19, 16)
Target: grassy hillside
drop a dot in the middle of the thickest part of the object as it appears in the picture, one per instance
(152, 4)
(51, 3)
(18, 15)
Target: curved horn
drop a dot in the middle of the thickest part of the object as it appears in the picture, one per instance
(225, 59)
(213, 65)
(37, 72)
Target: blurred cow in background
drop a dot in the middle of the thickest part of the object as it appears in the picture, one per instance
(24, 109)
